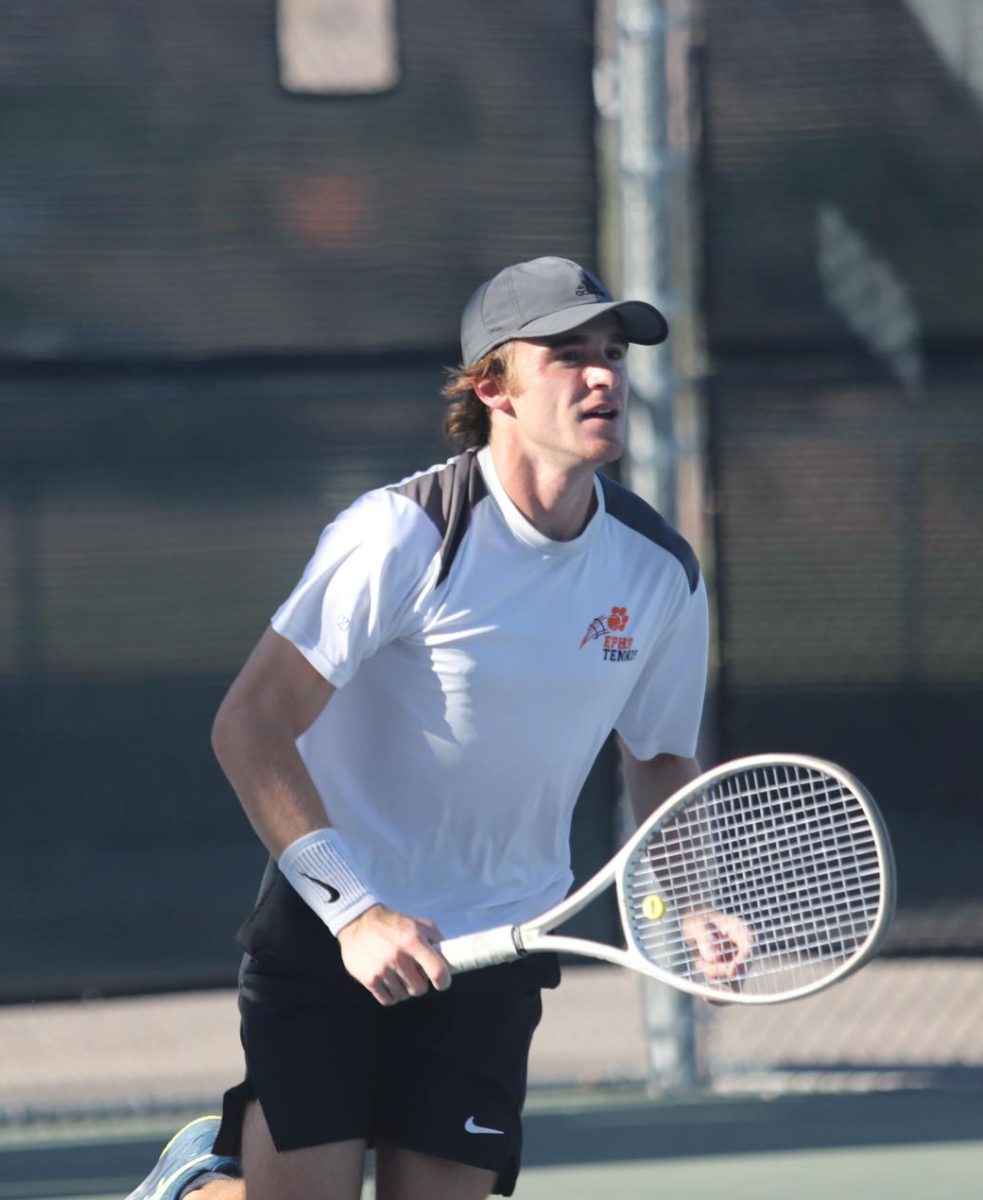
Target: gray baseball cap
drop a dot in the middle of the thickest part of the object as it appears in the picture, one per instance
(547, 296)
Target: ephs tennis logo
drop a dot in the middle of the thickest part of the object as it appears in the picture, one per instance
(616, 648)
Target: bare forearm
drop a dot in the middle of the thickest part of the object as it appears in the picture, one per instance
(722, 940)
(267, 773)
(274, 699)
(650, 784)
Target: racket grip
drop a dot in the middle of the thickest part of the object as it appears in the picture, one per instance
(473, 950)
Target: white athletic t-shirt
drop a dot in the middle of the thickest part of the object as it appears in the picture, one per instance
(480, 668)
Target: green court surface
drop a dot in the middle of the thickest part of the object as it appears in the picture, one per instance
(875, 1173)
(621, 1146)
(895, 1144)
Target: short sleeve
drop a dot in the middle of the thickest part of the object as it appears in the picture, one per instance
(358, 589)
(664, 710)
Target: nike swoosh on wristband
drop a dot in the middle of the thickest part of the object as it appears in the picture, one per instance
(471, 1127)
(333, 893)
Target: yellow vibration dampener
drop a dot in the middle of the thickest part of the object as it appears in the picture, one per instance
(654, 908)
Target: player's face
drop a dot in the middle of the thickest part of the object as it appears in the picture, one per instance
(569, 393)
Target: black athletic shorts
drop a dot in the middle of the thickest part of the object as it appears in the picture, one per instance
(443, 1073)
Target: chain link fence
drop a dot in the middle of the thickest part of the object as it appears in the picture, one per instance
(230, 291)
(843, 305)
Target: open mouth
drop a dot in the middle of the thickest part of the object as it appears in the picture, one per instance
(601, 414)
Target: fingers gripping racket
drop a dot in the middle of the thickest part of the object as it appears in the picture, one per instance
(766, 879)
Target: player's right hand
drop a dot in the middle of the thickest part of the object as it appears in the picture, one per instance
(393, 955)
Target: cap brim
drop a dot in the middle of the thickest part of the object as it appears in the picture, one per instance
(642, 323)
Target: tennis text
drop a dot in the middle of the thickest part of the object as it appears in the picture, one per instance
(618, 649)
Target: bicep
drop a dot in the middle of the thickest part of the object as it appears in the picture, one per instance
(652, 781)
(278, 684)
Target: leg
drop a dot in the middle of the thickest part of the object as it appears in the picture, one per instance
(331, 1172)
(452, 1084)
(301, 1118)
(402, 1174)
(218, 1189)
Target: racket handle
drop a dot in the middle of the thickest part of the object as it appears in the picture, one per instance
(473, 950)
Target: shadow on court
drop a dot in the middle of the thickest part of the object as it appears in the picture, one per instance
(575, 1133)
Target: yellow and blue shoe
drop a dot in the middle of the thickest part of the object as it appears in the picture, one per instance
(188, 1154)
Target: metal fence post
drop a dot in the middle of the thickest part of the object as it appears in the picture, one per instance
(649, 46)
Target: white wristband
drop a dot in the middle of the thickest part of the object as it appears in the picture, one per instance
(318, 870)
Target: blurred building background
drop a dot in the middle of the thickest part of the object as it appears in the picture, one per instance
(235, 240)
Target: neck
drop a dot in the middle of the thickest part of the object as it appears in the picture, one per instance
(557, 501)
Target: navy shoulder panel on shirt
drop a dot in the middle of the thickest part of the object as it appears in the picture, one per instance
(632, 510)
(447, 495)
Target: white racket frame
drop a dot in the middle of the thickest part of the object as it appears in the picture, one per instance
(506, 943)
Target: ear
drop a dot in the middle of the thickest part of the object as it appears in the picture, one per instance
(491, 392)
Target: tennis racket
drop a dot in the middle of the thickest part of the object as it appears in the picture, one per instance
(764, 880)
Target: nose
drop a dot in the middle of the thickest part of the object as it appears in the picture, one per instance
(600, 374)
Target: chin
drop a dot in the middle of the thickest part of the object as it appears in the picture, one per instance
(606, 452)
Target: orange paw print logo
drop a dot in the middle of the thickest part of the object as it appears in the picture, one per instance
(618, 619)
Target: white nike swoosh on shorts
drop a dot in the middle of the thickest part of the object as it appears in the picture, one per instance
(471, 1127)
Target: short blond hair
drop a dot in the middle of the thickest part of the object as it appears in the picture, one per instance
(467, 423)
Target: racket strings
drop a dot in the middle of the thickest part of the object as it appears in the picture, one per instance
(788, 849)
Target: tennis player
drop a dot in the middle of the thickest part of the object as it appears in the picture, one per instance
(408, 740)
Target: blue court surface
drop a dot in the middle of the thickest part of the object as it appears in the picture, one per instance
(620, 1146)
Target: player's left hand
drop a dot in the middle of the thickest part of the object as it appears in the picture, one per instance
(723, 943)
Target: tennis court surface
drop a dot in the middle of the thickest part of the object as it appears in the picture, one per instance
(893, 1144)
(90, 1092)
